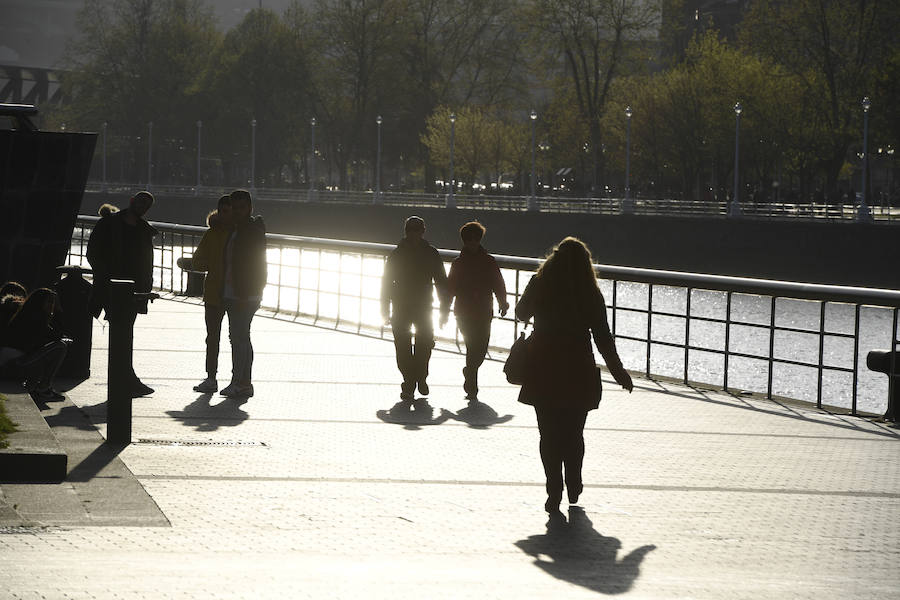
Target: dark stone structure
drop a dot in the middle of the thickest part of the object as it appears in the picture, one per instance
(42, 178)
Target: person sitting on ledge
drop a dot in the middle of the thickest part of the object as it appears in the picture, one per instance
(42, 347)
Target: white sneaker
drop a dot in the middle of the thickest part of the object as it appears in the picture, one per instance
(207, 386)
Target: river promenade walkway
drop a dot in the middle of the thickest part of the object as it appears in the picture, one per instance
(323, 485)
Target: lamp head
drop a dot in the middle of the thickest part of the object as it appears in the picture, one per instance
(738, 108)
(628, 112)
(533, 114)
(378, 119)
(453, 117)
(866, 104)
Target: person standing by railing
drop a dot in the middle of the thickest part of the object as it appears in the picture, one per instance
(562, 381)
(121, 247)
(209, 256)
(245, 273)
(406, 286)
(474, 279)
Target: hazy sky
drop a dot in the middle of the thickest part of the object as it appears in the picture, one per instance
(33, 33)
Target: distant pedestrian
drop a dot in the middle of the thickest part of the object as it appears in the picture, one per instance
(245, 273)
(209, 256)
(474, 280)
(42, 348)
(562, 381)
(411, 273)
(121, 247)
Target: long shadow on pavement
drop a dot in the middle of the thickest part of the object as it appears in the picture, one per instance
(575, 552)
(203, 416)
(479, 415)
(413, 415)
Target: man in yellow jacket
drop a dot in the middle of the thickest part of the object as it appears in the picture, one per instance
(210, 257)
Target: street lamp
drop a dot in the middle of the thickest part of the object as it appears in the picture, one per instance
(253, 154)
(451, 201)
(628, 205)
(734, 209)
(197, 188)
(104, 156)
(532, 201)
(149, 152)
(863, 213)
(377, 198)
(312, 164)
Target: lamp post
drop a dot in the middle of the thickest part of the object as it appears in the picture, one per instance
(377, 198)
(104, 156)
(149, 152)
(734, 209)
(532, 200)
(312, 162)
(451, 201)
(253, 154)
(199, 128)
(628, 205)
(863, 213)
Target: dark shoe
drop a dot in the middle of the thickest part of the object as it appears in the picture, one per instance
(47, 395)
(574, 493)
(552, 504)
(408, 396)
(423, 387)
(139, 388)
(207, 386)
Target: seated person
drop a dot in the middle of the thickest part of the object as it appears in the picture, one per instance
(12, 296)
(42, 348)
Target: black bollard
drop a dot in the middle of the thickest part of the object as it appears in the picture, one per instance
(883, 361)
(121, 314)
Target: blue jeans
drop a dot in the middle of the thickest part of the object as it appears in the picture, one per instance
(240, 314)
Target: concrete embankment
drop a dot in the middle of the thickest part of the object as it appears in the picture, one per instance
(840, 253)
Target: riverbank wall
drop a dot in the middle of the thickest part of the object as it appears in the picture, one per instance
(801, 250)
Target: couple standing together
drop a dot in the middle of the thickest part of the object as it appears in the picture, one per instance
(562, 380)
(232, 251)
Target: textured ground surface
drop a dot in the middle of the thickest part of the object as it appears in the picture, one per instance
(322, 485)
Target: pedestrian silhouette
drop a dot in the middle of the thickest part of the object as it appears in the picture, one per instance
(244, 278)
(411, 272)
(574, 551)
(474, 279)
(121, 247)
(562, 382)
(209, 256)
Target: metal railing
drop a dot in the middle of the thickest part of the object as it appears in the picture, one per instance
(733, 333)
(560, 204)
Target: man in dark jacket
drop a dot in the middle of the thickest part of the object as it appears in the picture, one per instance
(244, 278)
(409, 273)
(121, 247)
(474, 279)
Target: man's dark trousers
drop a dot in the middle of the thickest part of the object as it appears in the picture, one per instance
(413, 362)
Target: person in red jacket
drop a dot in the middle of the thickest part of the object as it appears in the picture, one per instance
(474, 278)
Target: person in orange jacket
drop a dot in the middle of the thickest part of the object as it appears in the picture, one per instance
(474, 278)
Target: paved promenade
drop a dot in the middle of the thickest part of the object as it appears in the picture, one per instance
(323, 486)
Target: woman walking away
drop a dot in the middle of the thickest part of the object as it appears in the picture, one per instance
(43, 348)
(562, 382)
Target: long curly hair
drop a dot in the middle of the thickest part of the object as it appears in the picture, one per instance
(568, 277)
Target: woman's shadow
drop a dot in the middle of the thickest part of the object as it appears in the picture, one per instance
(575, 552)
(203, 416)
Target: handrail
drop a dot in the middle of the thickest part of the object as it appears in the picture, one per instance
(702, 281)
(667, 323)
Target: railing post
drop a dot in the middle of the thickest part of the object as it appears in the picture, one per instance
(821, 354)
(121, 313)
(771, 346)
(727, 340)
(687, 334)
